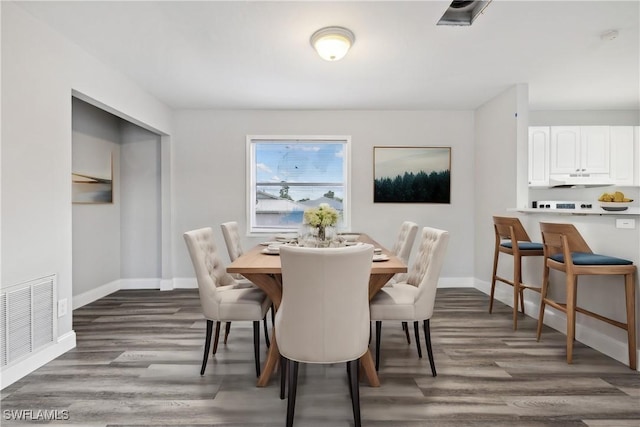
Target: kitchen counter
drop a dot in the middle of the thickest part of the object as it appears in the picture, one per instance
(633, 210)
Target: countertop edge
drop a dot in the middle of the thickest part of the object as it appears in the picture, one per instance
(634, 211)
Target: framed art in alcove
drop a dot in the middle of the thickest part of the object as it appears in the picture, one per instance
(411, 174)
(93, 183)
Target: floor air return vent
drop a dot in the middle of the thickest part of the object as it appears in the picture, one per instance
(27, 318)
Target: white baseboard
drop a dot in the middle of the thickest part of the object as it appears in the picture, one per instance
(166, 284)
(153, 283)
(444, 282)
(593, 338)
(19, 370)
(456, 282)
(185, 283)
(111, 287)
(95, 294)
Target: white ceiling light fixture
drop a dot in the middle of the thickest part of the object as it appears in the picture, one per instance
(332, 43)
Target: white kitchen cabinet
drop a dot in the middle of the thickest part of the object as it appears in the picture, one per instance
(565, 150)
(539, 156)
(624, 149)
(581, 150)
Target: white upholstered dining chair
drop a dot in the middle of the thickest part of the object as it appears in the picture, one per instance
(324, 313)
(404, 242)
(221, 297)
(234, 249)
(232, 241)
(413, 300)
(402, 249)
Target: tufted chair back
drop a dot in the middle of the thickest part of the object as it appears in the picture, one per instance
(404, 242)
(232, 239)
(324, 314)
(210, 272)
(426, 268)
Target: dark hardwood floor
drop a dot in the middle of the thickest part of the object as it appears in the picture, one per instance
(138, 357)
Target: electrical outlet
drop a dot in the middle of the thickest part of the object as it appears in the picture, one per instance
(62, 307)
(625, 223)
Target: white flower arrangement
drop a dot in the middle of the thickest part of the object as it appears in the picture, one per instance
(322, 216)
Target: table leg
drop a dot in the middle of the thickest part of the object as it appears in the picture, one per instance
(377, 281)
(369, 369)
(273, 358)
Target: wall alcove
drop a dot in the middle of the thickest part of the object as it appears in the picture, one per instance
(116, 245)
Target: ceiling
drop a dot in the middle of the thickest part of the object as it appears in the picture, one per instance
(257, 55)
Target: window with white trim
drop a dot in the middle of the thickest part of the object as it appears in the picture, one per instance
(288, 174)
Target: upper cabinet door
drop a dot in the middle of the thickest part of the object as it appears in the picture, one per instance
(594, 149)
(538, 156)
(623, 148)
(565, 150)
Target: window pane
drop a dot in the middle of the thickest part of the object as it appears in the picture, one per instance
(289, 176)
(277, 208)
(308, 162)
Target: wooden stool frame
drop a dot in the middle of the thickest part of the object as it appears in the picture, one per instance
(508, 228)
(565, 239)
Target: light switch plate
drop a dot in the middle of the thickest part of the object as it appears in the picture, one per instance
(625, 223)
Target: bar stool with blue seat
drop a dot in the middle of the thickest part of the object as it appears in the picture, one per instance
(565, 250)
(512, 239)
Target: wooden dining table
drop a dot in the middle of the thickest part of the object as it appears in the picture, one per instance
(265, 271)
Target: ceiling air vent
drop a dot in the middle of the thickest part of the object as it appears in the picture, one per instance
(463, 12)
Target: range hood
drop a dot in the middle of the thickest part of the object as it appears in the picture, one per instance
(579, 181)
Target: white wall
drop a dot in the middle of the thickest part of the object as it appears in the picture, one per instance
(210, 180)
(140, 249)
(495, 183)
(96, 227)
(584, 118)
(40, 71)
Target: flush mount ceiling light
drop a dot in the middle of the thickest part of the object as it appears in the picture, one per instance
(332, 43)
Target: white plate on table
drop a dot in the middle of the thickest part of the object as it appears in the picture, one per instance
(285, 238)
(350, 237)
(380, 257)
(268, 251)
(271, 243)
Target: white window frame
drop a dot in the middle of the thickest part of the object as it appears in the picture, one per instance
(252, 228)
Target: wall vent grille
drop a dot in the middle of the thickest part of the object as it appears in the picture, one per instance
(28, 318)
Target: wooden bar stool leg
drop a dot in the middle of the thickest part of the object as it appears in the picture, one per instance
(571, 315)
(520, 285)
(516, 289)
(543, 296)
(630, 294)
(493, 277)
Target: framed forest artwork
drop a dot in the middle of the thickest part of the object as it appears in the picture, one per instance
(412, 174)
